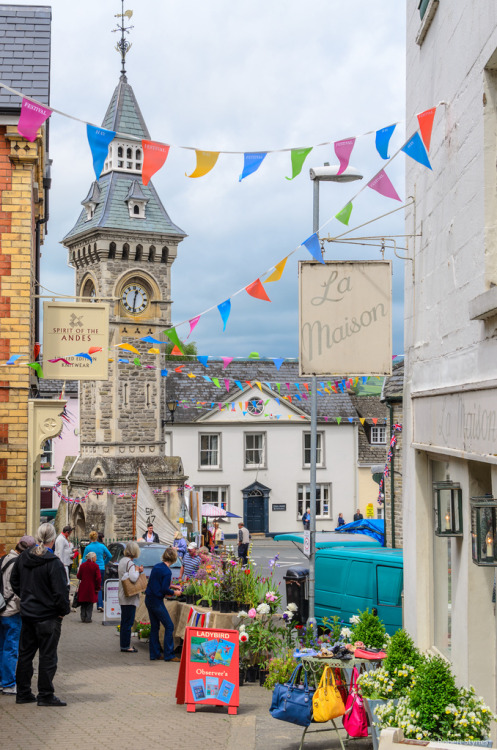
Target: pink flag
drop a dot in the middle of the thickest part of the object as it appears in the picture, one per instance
(32, 117)
(193, 322)
(381, 183)
(343, 149)
(226, 361)
(227, 384)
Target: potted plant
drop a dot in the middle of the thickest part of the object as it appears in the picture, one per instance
(279, 669)
(368, 629)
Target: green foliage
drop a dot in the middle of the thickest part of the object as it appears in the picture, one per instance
(370, 630)
(434, 689)
(402, 660)
(280, 670)
(333, 627)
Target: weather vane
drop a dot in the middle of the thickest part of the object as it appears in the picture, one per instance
(123, 46)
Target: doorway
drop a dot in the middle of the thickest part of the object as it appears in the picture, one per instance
(256, 507)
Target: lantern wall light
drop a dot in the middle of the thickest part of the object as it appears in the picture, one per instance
(448, 508)
(484, 530)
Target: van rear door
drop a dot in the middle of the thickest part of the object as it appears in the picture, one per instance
(359, 588)
(330, 583)
(389, 586)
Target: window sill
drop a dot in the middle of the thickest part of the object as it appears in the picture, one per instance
(209, 468)
(484, 306)
(426, 22)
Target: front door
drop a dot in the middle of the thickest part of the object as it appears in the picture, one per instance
(255, 508)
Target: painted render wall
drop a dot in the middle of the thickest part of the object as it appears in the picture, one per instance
(284, 467)
(66, 445)
(451, 359)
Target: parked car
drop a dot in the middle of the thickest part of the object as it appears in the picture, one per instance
(150, 555)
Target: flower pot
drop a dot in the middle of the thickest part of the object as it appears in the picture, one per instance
(252, 674)
(241, 676)
(233, 606)
(371, 705)
(224, 607)
(216, 605)
(204, 603)
(263, 673)
(189, 599)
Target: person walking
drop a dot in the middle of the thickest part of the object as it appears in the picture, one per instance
(39, 579)
(159, 586)
(128, 569)
(243, 542)
(103, 556)
(179, 544)
(90, 582)
(306, 519)
(218, 537)
(10, 619)
(64, 549)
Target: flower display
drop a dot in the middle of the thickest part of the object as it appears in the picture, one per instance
(263, 609)
(252, 613)
(243, 637)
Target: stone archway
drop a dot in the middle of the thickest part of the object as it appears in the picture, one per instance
(79, 521)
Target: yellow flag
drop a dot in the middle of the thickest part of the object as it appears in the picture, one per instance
(362, 420)
(258, 385)
(205, 162)
(128, 347)
(278, 270)
(191, 375)
(154, 351)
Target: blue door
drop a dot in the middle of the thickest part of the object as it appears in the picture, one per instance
(255, 508)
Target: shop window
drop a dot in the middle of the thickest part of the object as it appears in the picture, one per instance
(217, 496)
(323, 500)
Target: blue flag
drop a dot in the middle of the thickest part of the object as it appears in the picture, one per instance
(416, 150)
(151, 340)
(278, 361)
(383, 139)
(203, 359)
(225, 309)
(252, 162)
(99, 140)
(163, 373)
(312, 244)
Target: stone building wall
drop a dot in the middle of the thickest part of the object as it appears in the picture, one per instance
(398, 486)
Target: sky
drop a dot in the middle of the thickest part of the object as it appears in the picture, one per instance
(244, 76)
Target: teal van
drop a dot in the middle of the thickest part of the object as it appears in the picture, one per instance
(352, 580)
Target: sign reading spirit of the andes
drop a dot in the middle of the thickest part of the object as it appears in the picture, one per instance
(71, 329)
(345, 318)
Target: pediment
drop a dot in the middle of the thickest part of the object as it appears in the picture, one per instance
(276, 408)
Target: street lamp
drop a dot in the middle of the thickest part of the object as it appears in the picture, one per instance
(172, 405)
(317, 175)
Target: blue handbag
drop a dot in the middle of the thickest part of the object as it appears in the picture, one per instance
(292, 702)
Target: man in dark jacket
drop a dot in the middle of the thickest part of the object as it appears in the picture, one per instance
(150, 535)
(39, 579)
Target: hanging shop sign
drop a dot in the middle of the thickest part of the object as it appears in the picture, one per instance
(76, 326)
(345, 317)
(209, 669)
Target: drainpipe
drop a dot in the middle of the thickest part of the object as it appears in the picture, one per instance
(392, 482)
(47, 182)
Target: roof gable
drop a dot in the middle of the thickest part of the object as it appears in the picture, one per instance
(237, 410)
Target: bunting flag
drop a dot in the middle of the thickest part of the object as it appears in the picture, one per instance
(382, 140)
(151, 340)
(344, 214)
(123, 361)
(312, 244)
(32, 118)
(298, 157)
(251, 162)
(59, 359)
(99, 140)
(381, 183)
(164, 373)
(343, 150)
(193, 322)
(216, 382)
(278, 271)
(137, 362)
(206, 160)
(36, 351)
(257, 290)
(425, 120)
(128, 347)
(176, 351)
(94, 349)
(154, 157)
(12, 359)
(153, 351)
(224, 310)
(203, 360)
(227, 384)
(416, 150)
(174, 339)
(36, 365)
(84, 355)
(226, 361)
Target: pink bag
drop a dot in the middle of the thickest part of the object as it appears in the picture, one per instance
(355, 720)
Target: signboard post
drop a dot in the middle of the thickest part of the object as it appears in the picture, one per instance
(112, 608)
(307, 543)
(209, 669)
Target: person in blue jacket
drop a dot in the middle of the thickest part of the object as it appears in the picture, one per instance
(159, 586)
(179, 544)
(103, 555)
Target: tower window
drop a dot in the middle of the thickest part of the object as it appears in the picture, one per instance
(138, 252)
(151, 254)
(125, 251)
(148, 394)
(165, 255)
(136, 210)
(112, 250)
(138, 155)
(120, 152)
(129, 153)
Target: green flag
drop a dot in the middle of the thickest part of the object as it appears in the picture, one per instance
(344, 214)
(136, 361)
(173, 337)
(298, 158)
(37, 368)
(216, 382)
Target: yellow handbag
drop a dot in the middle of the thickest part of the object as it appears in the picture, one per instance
(327, 702)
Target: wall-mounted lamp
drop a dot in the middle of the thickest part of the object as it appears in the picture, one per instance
(448, 508)
(483, 530)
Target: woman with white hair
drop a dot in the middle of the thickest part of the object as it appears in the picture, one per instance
(90, 581)
(128, 569)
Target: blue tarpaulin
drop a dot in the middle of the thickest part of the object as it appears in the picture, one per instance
(373, 527)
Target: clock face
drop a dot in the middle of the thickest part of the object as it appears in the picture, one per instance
(134, 298)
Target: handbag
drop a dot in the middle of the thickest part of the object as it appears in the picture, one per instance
(327, 702)
(130, 588)
(292, 702)
(355, 721)
(75, 601)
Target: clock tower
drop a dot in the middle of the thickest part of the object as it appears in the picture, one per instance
(122, 248)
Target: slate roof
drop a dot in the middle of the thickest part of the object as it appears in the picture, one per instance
(393, 386)
(179, 386)
(123, 113)
(53, 388)
(112, 212)
(370, 407)
(25, 53)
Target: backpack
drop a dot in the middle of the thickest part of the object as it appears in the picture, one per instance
(3, 569)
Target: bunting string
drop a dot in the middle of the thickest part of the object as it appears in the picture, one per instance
(386, 470)
(97, 492)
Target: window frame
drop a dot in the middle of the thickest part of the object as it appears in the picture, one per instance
(263, 449)
(220, 488)
(320, 464)
(50, 453)
(305, 501)
(210, 467)
(382, 430)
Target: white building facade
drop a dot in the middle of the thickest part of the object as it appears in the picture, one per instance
(450, 397)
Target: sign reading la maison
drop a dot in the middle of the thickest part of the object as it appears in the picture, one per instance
(345, 318)
(71, 329)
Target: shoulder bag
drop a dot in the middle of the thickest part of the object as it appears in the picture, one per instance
(130, 588)
(355, 721)
(292, 702)
(327, 703)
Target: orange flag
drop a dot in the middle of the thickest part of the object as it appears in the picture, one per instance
(425, 120)
(176, 351)
(205, 162)
(94, 349)
(154, 156)
(257, 290)
(278, 270)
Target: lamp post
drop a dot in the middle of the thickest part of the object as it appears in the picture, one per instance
(172, 405)
(317, 175)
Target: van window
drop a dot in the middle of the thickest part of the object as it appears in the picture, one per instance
(389, 582)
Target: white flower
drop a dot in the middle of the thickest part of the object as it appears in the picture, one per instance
(289, 615)
(242, 628)
(292, 607)
(243, 637)
(263, 609)
(242, 613)
(355, 619)
(346, 632)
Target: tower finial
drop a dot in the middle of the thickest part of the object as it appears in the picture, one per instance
(123, 46)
